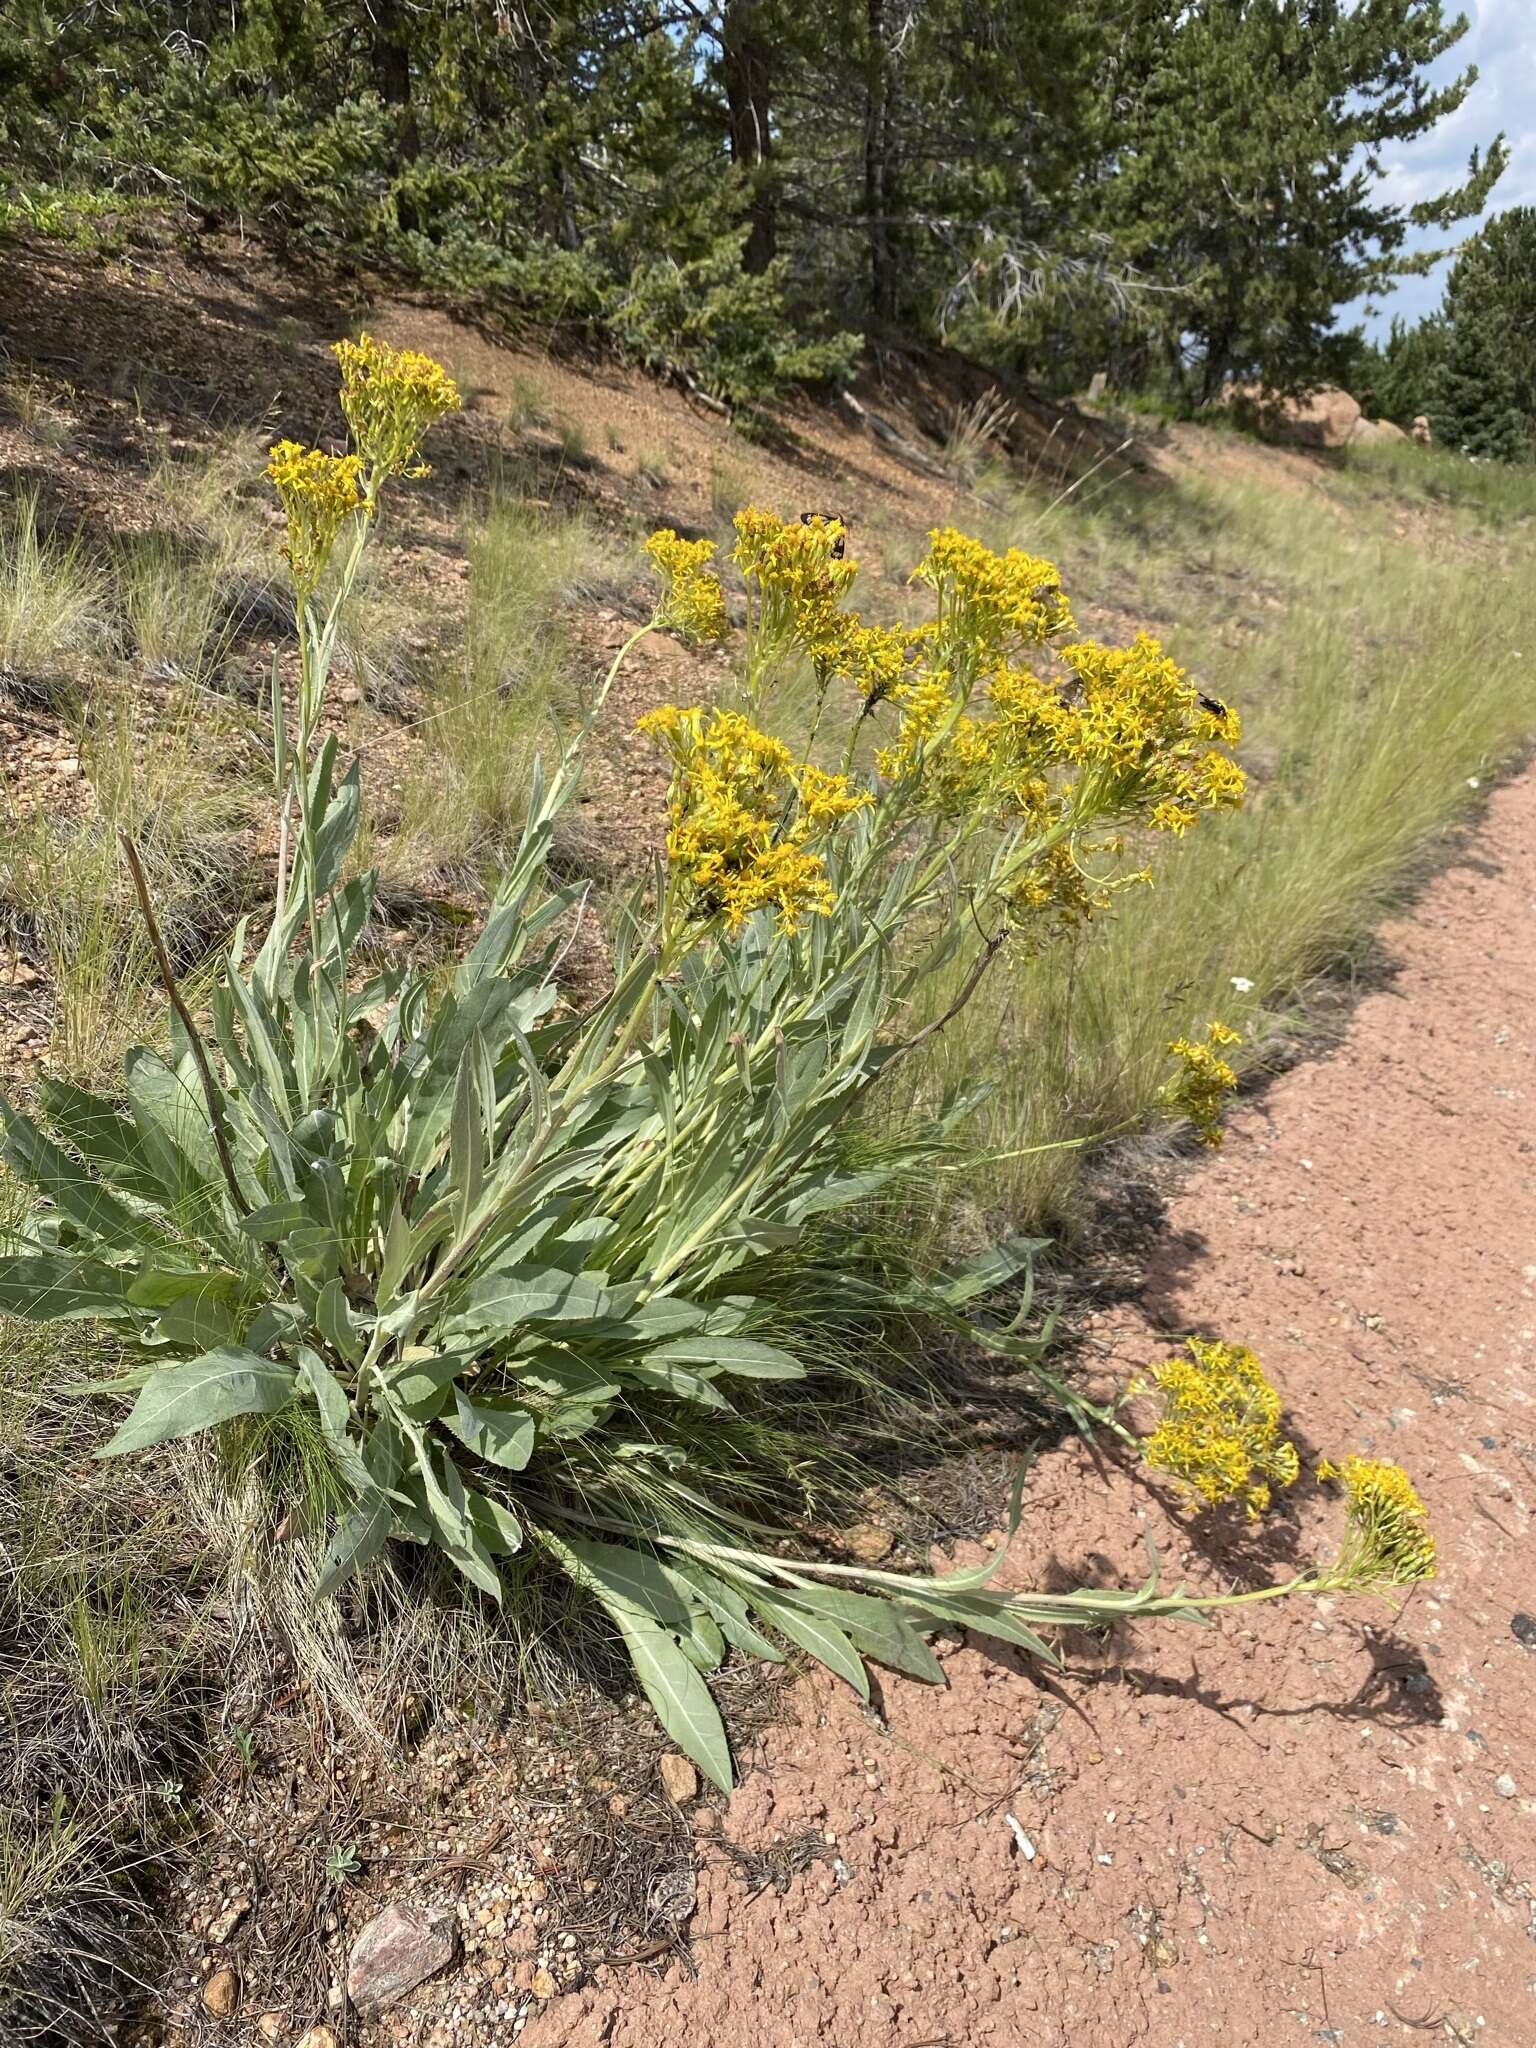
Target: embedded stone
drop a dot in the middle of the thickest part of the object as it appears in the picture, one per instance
(221, 1994)
(398, 1949)
(679, 1779)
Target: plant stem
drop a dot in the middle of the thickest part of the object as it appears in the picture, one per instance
(194, 1039)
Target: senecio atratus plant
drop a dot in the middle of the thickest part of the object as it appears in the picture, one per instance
(501, 1258)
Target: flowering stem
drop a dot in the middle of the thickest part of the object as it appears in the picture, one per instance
(211, 1097)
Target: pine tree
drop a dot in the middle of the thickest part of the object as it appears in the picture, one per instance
(1247, 172)
(1052, 183)
(1474, 402)
(1492, 286)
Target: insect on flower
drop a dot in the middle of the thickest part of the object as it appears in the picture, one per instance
(840, 543)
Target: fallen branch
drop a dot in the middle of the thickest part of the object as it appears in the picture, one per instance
(695, 389)
(889, 437)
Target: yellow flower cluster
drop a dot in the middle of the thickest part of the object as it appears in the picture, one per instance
(692, 603)
(1142, 722)
(1203, 1082)
(744, 817)
(991, 601)
(1388, 1542)
(1128, 726)
(318, 492)
(1113, 738)
(798, 577)
(390, 397)
(875, 659)
(928, 707)
(1220, 1431)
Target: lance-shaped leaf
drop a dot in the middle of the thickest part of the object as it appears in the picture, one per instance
(336, 1324)
(360, 1535)
(56, 1287)
(678, 1381)
(875, 1627)
(655, 1618)
(823, 1639)
(729, 1609)
(740, 1355)
(64, 1182)
(334, 815)
(448, 1502)
(501, 1303)
(103, 1136)
(180, 1400)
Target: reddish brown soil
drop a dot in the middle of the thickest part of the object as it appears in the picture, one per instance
(1317, 1820)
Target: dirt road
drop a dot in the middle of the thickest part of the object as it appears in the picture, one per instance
(1315, 1821)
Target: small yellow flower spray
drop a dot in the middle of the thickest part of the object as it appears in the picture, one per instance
(319, 493)
(1220, 1431)
(1204, 1081)
(692, 603)
(1387, 1540)
(744, 818)
(390, 398)
(1219, 1436)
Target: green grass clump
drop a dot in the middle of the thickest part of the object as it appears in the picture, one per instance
(62, 878)
(53, 596)
(499, 696)
(98, 1700)
(175, 601)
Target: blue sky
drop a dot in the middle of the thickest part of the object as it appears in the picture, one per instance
(1501, 42)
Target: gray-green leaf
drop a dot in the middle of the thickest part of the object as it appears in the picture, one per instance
(182, 1399)
(54, 1287)
(501, 1432)
(679, 1695)
(739, 1355)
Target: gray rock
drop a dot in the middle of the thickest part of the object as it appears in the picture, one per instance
(398, 1949)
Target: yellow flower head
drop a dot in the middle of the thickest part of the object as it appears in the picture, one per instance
(1203, 1082)
(875, 659)
(992, 602)
(825, 800)
(692, 601)
(797, 576)
(390, 397)
(318, 492)
(1220, 1431)
(928, 706)
(744, 816)
(1143, 730)
(1388, 1541)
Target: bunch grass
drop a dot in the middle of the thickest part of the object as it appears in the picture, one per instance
(504, 693)
(53, 596)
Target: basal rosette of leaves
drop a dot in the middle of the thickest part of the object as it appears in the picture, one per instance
(510, 1264)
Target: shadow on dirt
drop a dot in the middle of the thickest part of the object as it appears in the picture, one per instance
(1398, 1690)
